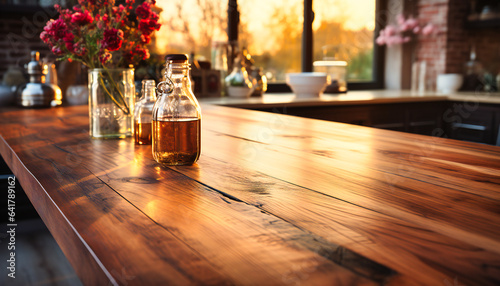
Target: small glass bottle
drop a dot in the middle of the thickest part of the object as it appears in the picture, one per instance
(143, 114)
(176, 116)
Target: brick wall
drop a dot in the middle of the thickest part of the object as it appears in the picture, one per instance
(20, 34)
(460, 39)
(432, 49)
(449, 50)
(459, 50)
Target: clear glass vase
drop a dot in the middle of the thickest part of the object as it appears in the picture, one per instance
(111, 103)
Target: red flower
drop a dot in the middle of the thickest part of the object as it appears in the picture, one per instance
(143, 53)
(143, 11)
(97, 28)
(154, 17)
(45, 37)
(130, 4)
(80, 18)
(119, 9)
(147, 26)
(112, 39)
(105, 57)
(68, 41)
(79, 50)
(137, 54)
(57, 51)
(56, 29)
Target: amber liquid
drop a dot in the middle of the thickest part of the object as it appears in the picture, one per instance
(177, 142)
(142, 133)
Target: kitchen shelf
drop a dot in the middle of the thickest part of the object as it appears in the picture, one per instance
(480, 24)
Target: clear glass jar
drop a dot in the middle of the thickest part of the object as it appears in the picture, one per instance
(111, 103)
(176, 116)
(143, 116)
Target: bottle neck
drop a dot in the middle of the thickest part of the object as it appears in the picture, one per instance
(148, 90)
(149, 95)
(180, 74)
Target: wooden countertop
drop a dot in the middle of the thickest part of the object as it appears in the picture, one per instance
(270, 100)
(273, 200)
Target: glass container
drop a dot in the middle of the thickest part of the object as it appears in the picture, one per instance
(176, 116)
(336, 71)
(143, 114)
(111, 102)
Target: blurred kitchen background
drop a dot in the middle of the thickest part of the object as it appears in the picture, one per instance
(271, 38)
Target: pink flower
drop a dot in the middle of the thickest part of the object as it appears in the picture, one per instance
(390, 30)
(112, 39)
(80, 18)
(402, 33)
(429, 29)
(411, 23)
(400, 19)
(394, 40)
(380, 39)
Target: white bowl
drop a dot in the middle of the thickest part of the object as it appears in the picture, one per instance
(307, 84)
(449, 82)
(239, 91)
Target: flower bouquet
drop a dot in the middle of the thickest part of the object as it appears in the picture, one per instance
(109, 39)
(403, 31)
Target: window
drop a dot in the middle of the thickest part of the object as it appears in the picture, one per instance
(190, 26)
(342, 31)
(272, 32)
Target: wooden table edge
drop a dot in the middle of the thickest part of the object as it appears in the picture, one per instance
(52, 216)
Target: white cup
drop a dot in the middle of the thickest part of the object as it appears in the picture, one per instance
(449, 82)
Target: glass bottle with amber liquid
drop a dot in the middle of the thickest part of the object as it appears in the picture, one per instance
(143, 114)
(176, 116)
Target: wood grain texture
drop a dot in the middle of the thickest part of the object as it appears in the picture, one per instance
(274, 199)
